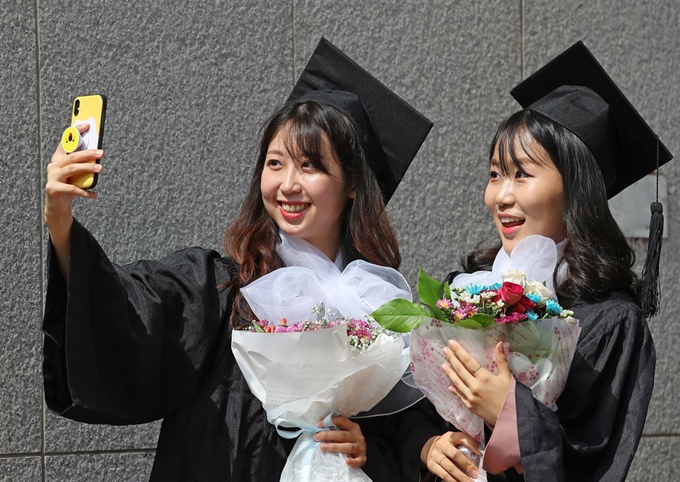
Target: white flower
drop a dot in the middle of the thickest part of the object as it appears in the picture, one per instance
(468, 298)
(515, 276)
(539, 289)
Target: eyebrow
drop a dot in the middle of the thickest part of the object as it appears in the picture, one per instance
(275, 152)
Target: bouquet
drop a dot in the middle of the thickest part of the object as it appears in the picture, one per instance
(307, 368)
(539, 336)
(360, 333)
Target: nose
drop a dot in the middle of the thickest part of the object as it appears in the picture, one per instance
(291, 180)
(505, 195)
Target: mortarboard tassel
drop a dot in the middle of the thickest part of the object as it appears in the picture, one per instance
(649, 296)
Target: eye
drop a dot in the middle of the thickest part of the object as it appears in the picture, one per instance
(308, 166)
(273, 163)
(494, 175)
(521, 174)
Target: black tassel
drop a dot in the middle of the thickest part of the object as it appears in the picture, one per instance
(649, 297)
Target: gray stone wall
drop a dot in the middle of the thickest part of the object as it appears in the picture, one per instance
(189, 84)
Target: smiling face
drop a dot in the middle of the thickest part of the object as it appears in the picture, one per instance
(303, 200)
(526, 199)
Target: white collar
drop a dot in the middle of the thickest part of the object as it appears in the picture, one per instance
(310, 278)
(536, 256)
(298, 252)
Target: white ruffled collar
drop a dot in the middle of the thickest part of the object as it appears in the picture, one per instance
(298, 252)
(310, 278)
(536, 256)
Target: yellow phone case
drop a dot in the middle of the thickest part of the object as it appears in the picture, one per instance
(90, 109)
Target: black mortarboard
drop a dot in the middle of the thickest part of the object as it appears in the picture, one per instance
(575, 91)
(392, 131)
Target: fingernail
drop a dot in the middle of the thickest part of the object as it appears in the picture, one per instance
(475, 474)
(98, 152)
(324, 447)
(97, 167)
(446, 351)
(452, 343)
(443, 366)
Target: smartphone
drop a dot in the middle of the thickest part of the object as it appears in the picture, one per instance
(87, 109)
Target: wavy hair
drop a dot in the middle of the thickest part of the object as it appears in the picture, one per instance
(367, 233)
(597, 255)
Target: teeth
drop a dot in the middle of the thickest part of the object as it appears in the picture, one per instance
(293, 208)
(510, 220)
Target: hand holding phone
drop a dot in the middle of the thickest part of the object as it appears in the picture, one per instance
(87, 109)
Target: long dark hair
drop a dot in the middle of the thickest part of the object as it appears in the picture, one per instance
(597, 255)
(366, 230)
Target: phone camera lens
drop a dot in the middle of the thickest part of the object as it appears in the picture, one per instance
(76, 107)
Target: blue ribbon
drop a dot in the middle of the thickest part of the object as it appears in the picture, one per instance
(307, 445)
(327, 423)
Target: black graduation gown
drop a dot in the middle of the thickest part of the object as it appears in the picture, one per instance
(596, 429)
(151, 340)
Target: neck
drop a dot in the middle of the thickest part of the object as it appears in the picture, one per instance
(329, 247)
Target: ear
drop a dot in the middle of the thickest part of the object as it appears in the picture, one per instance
(352, 192)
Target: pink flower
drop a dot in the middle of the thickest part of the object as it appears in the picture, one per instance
(515, 317)
(469, 309)
(444, 304)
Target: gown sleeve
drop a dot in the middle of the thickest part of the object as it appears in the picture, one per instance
(131, 344)
(596, 429)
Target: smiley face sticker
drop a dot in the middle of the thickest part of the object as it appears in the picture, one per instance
(72, 140)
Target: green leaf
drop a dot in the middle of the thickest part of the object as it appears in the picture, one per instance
(400, 315)
(258, 328)
(484, 319)
(468, 323)
(476, 322)
(447, 291)
(429, 292)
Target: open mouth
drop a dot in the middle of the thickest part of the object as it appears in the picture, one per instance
(294, 208)
(509, 223)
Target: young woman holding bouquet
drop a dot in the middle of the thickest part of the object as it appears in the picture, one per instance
(151, 340)
(553, 165)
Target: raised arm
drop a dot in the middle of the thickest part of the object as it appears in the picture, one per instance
(59, 196)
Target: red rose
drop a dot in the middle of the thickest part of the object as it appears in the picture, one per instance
(510, 293)
(523, 305)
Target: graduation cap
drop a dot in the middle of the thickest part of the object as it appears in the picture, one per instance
(574, 91)
(391, 130)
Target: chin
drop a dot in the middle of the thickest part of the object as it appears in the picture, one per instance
(293, 233)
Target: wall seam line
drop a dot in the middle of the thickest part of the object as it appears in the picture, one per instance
(521, 39)
(41, 226)
(292, 22)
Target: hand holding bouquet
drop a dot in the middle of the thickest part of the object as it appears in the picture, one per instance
(539, 336)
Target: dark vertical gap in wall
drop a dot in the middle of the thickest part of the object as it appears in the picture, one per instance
(521, 34)
(41, 225)
(292, 21)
